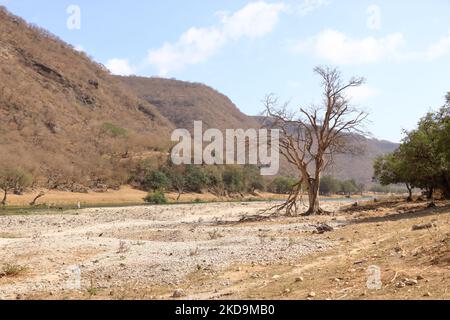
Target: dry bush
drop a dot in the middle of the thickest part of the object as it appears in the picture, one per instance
(12, 270)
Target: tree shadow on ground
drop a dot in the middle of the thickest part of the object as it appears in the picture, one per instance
(398, 211)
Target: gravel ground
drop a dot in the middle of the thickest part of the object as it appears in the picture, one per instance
(145, 246)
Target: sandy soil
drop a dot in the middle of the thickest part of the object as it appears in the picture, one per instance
(125, 196)
(207, 252)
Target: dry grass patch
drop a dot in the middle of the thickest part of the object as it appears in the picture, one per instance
(8, 235)
(12, 270)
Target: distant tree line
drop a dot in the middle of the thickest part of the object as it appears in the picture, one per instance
(423, 159)
(219, 180)
(330, 185)
(225, 181)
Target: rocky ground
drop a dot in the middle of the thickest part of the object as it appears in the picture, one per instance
(204, 251)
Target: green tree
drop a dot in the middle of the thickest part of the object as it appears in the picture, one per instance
(252, 179)
(282, 185)
(233, 178)
(156, 180)
(178, 181)
(394, 169)
(215, 180)
(423, 159)
(329, 185)
(197, 179)
(349, 186)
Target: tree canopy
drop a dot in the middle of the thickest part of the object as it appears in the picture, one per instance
(423, 159)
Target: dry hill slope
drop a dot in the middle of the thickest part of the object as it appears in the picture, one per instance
(184, 102)
(65, 117)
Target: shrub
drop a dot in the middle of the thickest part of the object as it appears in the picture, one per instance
(196, 179)
(330, 185)
(215, 180)
(12, 270)
(349, 187)
(156, 198)
(252, 179)
(114, 130)
(156, 180)
(282, 185)
(233, 178)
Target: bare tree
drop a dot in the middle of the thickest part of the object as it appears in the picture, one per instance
(13, 180)
(309, 137)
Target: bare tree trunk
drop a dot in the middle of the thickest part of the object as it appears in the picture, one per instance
(4, 198)
(430, 193)
(410, 198)
(313, 196)
(179, 195)
(446, 187)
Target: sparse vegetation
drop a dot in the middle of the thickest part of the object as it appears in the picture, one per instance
(114, 131)
(12, 270)
(214, 235)
(123, 247)
(157, 197)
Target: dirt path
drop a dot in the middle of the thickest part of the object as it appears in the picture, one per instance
(203, 249)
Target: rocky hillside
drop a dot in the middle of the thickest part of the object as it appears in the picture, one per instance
(360, 167)
(184, 102)
(64, 116)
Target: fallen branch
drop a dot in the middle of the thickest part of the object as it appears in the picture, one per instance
(40, 195)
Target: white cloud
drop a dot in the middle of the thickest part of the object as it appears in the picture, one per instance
(439, 49)
(196, 45)
(120, 67)
(254, 20)
(308, 6)
(339, 48)
(362, 93)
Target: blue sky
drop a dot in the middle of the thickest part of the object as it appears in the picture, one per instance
(247, 49)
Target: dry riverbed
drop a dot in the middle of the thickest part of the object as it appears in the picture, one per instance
(204, 251)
